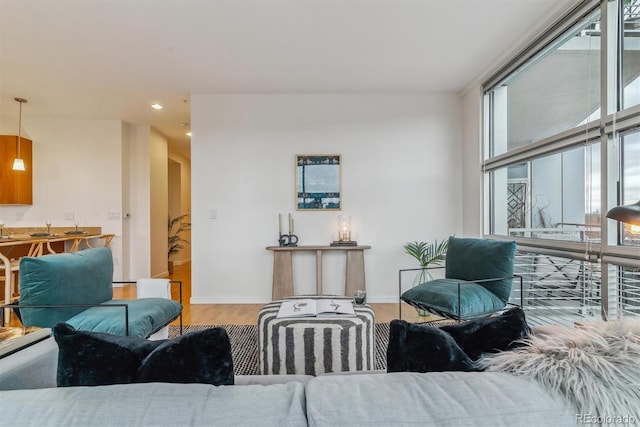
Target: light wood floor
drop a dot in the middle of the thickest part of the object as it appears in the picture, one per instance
(247, 314)
(239, 314)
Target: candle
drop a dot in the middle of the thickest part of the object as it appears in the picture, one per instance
(279, 224)
(290, 224)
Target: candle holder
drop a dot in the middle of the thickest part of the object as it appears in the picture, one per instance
(288, 240)
(344, 232)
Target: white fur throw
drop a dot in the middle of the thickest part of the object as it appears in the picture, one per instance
(596, 366)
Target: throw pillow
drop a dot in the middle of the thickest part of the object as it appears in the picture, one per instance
(490, 334)
(423, 348)
(95, 358)
(197, 357)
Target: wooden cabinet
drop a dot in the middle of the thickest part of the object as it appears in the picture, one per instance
(16, 187)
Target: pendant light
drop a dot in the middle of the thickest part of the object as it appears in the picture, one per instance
(626, 213)
(18, 163)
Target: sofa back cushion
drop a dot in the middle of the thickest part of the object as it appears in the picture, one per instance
(83, 277)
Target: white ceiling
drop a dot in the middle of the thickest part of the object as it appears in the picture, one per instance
(113, 58)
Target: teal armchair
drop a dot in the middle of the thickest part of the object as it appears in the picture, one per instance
(478, 280)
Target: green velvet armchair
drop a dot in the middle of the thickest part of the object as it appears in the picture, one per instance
(478, 280)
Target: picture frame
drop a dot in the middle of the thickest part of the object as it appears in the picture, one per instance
(318, 182)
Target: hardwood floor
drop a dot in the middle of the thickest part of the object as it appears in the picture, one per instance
(239, 314)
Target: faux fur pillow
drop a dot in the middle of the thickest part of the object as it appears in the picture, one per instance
(490, 334)
(95, 358)
(423, 348)
(594, 366)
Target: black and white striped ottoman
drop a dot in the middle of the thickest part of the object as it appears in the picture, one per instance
(315, 345)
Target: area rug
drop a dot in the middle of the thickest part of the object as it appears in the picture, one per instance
(244, 344)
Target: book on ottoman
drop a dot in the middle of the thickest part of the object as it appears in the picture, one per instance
(315, 308)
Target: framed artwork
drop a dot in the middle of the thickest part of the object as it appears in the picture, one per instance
(318, 183)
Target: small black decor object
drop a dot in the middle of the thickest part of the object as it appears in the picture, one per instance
(288, 240)
(348, 243)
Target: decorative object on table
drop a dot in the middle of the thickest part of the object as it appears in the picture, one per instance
(48, 222)
(318, 182)
(177, 226)
(18, 162)
(359, 296)
(1, 227)
(427, 254)
(344, 232)
(286, 239)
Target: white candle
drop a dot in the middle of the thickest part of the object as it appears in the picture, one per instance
(279, 224)
(290, 224)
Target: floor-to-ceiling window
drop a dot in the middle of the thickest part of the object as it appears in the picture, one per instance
(562, 147)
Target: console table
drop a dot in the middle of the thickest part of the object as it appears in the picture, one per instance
(283, 268)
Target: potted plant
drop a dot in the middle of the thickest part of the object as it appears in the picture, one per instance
(177, 226)
(427, 255)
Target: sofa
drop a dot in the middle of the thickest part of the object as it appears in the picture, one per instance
(29, 396)
(77, 288)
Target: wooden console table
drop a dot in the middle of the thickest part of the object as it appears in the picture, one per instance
(283, 268)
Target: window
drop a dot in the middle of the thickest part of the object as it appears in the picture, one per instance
(556, 90)
(554, 163)
(631, 53)
(551, 197)
(630, 183)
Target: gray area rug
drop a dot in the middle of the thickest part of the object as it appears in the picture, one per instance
(244, 344)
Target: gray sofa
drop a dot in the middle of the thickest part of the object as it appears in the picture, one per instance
(29, 396)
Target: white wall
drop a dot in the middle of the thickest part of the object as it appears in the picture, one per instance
(76, 168)
(159, 204)
(471, 162)
(401, 181)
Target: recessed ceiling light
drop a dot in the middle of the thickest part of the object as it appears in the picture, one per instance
(188, 133)
(157, 106)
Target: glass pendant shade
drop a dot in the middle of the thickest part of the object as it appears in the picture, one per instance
(18, 164)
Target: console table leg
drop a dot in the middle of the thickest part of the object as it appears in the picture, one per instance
(355, 272)
(282, 275)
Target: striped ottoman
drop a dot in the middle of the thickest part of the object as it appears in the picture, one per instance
(315, 345)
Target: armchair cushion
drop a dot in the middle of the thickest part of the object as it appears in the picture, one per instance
(94, 358)
(146, 316)
(62, 279)
(441, 296)
(477, 259)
